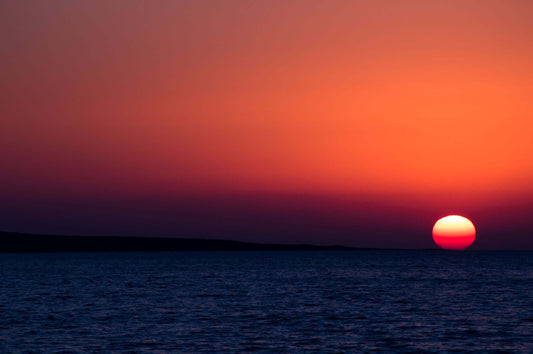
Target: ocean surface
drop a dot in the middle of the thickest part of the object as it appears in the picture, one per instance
(281, 301)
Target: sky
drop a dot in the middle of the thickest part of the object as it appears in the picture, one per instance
(341, 122)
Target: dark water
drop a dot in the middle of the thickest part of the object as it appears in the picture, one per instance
(390, 301)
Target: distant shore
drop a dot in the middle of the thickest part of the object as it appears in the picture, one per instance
(13, 242)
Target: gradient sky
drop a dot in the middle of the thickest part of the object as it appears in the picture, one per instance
(352, 122)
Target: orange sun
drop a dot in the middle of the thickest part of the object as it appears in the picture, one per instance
(454, 232)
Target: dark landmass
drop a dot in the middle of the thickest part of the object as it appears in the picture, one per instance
(12, 242)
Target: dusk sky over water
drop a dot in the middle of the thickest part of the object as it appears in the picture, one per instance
(342, 122)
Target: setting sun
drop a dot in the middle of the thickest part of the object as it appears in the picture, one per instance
(454, 232)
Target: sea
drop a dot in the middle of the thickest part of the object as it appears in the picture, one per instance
(267, 301)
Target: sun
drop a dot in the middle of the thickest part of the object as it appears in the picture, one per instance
(454, 232)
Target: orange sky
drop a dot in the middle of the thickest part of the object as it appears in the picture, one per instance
(371, 97)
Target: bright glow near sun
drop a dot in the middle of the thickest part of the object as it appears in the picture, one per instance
(454, 232)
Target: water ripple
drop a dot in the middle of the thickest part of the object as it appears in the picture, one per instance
(385, 301)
